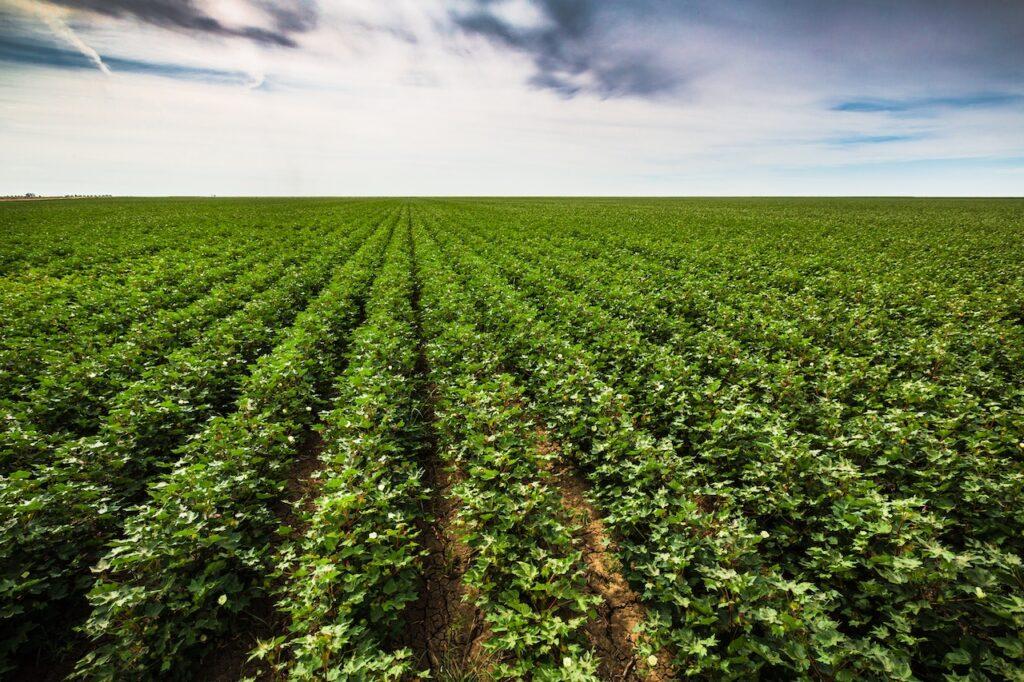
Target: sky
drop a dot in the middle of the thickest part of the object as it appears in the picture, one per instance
(512, 97)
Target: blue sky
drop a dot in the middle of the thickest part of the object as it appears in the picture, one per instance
(649, 97)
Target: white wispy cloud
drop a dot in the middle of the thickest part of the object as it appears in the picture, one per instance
(410, 96)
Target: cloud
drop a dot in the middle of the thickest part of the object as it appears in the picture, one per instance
(653, 48)
(286, 18)
(291, 16)
(570, 49)
(513, 96)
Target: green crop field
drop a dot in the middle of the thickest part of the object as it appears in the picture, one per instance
(547, 439)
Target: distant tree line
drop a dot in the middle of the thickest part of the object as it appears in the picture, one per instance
(32, 195)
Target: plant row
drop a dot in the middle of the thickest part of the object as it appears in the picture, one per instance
(525, 572)
(73, 395)
(63, 509)
(72, 309)
(48, 241)
(700, 553)
(348, 579)
(197, 552)
(80, 314)
(928, 417)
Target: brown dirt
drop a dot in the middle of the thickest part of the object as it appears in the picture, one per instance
(303, 482)
(52, 667)
(443, 629)
(613, 629)
(229, 662)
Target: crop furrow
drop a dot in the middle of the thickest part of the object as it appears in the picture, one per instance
(525, 573)
(346, 580)
(442, 628)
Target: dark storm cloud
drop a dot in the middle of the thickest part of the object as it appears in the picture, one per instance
(648, 48)
(289, 17)
(571, 52)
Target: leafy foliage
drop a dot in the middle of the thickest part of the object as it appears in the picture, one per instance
(802, 422)
(202, 534)
(349, 578)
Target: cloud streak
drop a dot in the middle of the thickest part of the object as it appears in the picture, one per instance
(287, 18)
(856, 140)
(928, 104)
(55, 22)
(43, 55)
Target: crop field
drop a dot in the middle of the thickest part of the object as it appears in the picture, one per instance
(490, 439)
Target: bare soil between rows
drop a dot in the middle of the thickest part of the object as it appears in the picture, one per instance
(613, 631)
